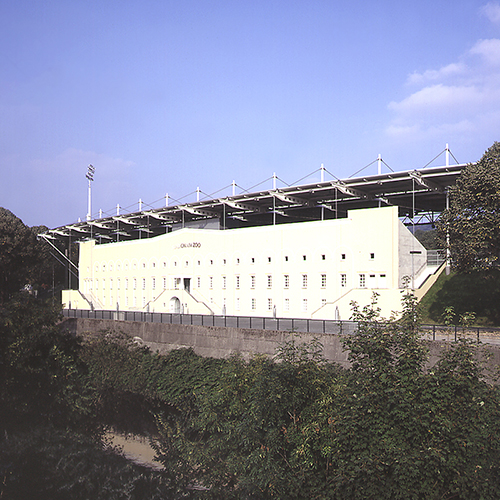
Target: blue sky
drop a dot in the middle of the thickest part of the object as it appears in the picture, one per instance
(167, 96)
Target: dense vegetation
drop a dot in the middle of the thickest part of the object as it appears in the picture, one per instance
(290, 427)
(26, 261)
(472, 221)
(477, 291)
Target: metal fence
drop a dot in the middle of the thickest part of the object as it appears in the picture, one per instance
(488, 335)
(435, 257)
(252, 322)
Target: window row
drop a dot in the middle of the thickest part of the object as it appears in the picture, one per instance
(364, 281)
(186, 263)
(135, 301)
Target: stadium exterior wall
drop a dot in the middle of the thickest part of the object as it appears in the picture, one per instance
(306, 269)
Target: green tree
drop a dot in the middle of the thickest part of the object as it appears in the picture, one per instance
(473, 218)
(428, 238)
(243, 436)
(399, 430)
(42, 379)
(24, 260)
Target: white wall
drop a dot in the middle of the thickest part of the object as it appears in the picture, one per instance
(328, 264)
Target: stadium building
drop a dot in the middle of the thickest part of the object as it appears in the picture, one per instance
(304, 251)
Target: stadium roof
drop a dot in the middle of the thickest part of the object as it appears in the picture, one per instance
(419, 194)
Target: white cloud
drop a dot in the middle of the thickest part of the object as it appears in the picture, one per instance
(455, 103)
(432, 75)
(437, 99)
(492, 11)
(488, 50)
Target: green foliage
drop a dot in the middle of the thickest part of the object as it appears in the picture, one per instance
(299, 427)
(477, 291)
(428, 239)
(473, 219)
(290, 427)
(23, 259)
(403, 432)
(244, 438)
(41, 376)
(467, 318)
(449, 315)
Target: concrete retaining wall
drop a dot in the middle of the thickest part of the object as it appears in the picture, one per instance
(208, 341)
(221, 342)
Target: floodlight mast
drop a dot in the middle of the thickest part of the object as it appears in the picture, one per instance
(90, 177)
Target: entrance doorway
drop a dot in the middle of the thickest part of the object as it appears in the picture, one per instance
(175, 305)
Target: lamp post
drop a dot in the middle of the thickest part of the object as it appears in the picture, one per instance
(90, 177)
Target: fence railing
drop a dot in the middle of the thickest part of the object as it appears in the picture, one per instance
(489, 335)
(301, 325)
(435, 257)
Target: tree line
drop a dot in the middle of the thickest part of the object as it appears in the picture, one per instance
(288, 426)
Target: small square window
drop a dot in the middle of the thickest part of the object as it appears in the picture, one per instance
(362, 281)
(224, 261)
(237, 260)
(211, 262)
(343, 256)
(286, 258)
(253, 260)
(323, 257)
(372, 256)
(304, 257)
(269, 259)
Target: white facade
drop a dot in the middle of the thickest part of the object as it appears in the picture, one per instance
(307, 269)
